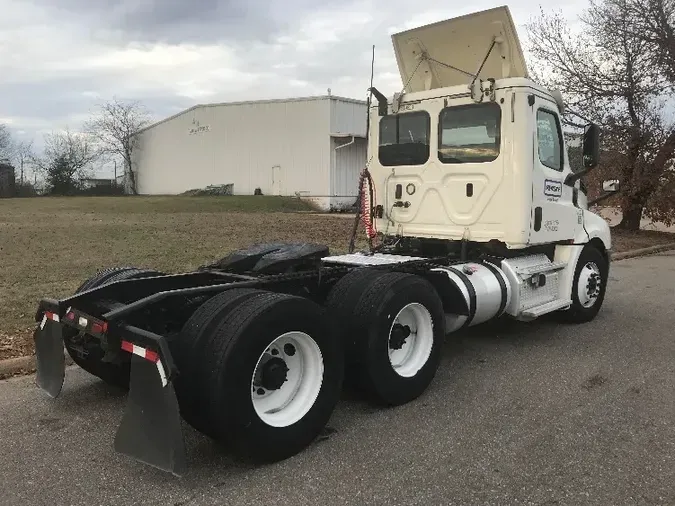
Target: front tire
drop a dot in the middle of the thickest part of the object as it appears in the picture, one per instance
(588, 288)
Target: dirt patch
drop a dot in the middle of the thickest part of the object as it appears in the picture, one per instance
(623, 240)
(594, 381)
(16, 344)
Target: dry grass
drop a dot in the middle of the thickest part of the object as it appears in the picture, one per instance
(623, 240)
(48, 246)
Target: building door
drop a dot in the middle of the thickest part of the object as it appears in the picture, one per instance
(276, 180)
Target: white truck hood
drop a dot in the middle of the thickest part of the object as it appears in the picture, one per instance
(462, 43)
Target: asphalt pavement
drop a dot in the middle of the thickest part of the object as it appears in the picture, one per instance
(519, 413)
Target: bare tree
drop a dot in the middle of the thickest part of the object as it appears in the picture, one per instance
(115, 127)
(607, 74)
(653, 21)
(5, 143)
(23, 158)
(67, 157)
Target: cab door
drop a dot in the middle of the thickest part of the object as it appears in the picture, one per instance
(555, 216)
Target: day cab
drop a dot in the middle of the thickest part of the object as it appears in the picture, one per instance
(479, 156)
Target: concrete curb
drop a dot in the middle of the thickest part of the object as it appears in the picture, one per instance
(12, 366)
(643, 251)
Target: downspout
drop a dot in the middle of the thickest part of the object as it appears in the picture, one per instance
(343, 146)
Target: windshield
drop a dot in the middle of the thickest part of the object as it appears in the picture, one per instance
(404, 139)
(469, 133)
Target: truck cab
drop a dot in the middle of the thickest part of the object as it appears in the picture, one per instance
(474, 155)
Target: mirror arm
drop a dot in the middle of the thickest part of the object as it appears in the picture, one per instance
(601, 198)
(575, 176)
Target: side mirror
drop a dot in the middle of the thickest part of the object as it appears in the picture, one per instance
(591, 146)
(590, 151)
(610, 186)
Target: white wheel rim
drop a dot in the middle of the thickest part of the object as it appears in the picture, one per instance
(290, 402)
(589, 284)
(413, 353)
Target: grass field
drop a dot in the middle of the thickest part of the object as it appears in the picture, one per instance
(48, 246)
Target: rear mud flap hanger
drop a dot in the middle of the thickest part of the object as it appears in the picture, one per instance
(150, 430)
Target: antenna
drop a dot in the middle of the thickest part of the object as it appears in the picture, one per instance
(357, 218)
(370, 92)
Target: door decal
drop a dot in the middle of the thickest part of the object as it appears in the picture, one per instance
(552, 188)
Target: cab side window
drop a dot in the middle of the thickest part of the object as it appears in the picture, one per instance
(549, 139)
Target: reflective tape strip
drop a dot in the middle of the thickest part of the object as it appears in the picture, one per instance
(52, 316)
(149, 355)
(138, 350)
(48, 315)
(162, 374)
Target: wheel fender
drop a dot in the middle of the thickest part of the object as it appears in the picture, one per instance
(595, 227)
(452, 296)
(569, 254)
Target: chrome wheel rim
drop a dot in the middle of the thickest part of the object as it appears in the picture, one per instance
(589, 285)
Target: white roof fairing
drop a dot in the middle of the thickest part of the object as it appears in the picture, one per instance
(461, 43)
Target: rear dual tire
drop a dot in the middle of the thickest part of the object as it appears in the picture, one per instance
(269, 373)
(393, 327)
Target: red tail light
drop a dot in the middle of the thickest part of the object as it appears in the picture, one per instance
(99, 328)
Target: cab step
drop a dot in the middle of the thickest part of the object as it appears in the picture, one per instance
(542, 268)
(549, 307)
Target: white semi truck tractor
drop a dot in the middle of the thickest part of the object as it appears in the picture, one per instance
(472, 212)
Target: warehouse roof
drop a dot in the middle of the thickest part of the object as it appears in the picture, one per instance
(268, 101)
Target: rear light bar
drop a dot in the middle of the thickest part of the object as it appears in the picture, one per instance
(84, 322)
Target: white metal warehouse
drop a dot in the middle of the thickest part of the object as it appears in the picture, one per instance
(313, 146)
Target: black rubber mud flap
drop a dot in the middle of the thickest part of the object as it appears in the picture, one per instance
(50, 358)
(151, 426)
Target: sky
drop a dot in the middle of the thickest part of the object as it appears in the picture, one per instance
(60, 58)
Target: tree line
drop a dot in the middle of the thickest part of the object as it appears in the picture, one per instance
(68, 157)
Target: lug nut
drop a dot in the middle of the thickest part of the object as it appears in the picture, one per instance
(275, 351)
(260, 391)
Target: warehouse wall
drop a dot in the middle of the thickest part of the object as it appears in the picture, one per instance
(347, 163)
(348, 117)
(240, 144)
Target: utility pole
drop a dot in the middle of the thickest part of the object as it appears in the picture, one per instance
(115, 172)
